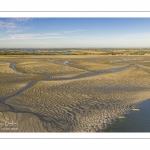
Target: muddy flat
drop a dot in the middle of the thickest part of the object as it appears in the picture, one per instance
(69, 93)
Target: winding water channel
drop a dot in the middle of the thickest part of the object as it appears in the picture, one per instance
(32, 83)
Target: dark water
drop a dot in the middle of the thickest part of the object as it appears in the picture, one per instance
(135, 121)
(18, 92)
(29, 50)
(64, 53)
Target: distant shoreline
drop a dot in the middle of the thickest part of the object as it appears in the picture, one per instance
(110, 52)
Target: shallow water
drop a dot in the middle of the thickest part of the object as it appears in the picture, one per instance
(64, 53)
(90, 74)
(29, 51)
(135, 121)
(12, 65)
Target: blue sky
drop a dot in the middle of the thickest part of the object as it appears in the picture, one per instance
(74, 32)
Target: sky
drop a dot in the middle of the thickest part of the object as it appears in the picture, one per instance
(74, 32)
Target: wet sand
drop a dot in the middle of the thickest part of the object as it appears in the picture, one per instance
(70, 93)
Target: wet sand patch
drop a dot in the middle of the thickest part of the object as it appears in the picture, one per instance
(75, 95)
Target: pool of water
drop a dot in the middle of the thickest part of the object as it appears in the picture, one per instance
(135, 121)
(29, 51)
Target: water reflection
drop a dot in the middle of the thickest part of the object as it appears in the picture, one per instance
(137, 120)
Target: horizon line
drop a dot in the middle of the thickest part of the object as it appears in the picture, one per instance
(75, 48)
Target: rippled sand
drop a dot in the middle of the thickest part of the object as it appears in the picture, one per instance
(70, 93)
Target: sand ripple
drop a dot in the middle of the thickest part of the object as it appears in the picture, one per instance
(75, 105)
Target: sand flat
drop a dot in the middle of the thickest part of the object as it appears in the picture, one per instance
(72, 93)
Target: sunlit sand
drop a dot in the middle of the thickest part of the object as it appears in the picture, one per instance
(70, 93)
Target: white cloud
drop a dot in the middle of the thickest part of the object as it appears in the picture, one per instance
(21, 19)
(50, 34)
(33, 36)
(7, 24)
(72, 31)
(11, 24)
(13, 30)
